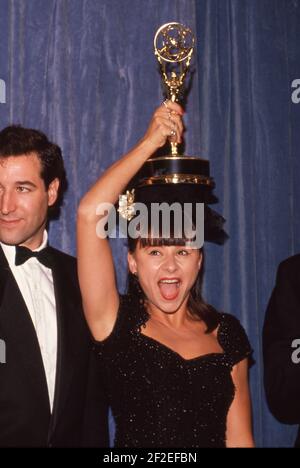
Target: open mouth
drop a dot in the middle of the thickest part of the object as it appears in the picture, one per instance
(169, 288)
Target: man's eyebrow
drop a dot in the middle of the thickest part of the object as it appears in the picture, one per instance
(25, 182)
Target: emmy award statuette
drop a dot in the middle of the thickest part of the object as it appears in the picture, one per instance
(173, 47)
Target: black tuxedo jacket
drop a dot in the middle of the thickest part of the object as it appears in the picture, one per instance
(281, 327)
(79, 416)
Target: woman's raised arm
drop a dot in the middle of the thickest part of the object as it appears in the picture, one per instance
(95, 263)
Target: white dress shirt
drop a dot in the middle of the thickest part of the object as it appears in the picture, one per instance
(35, 282)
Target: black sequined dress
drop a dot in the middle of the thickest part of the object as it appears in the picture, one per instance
(160, 399)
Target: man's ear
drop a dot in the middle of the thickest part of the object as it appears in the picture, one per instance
(131, 263)
(53, 191)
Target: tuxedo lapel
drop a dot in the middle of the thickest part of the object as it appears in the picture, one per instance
(66, 302)
(18, 331)
(4, 273)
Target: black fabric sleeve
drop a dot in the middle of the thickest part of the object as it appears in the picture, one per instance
(281, 328)
(233, 339)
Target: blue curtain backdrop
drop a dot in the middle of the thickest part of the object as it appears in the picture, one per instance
(84, 72)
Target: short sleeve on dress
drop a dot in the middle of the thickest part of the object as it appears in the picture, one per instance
(233, 339)
(130, 317)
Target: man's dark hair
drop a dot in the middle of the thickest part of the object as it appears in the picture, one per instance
(16, 140)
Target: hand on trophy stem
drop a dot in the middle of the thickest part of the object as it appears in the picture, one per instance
(166, 123)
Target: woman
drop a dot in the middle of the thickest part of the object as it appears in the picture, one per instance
(175, 369)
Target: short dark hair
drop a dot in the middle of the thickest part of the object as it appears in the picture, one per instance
(16, 140)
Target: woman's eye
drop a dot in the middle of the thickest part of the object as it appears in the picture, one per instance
(154, 252)
(182, 252)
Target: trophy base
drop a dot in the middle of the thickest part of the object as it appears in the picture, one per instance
(175, 170)
(174, 178)
(179, 179)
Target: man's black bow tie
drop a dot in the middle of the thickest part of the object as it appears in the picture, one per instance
(23, 254)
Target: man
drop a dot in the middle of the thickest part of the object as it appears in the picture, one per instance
(49, 388)
(281, 340)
